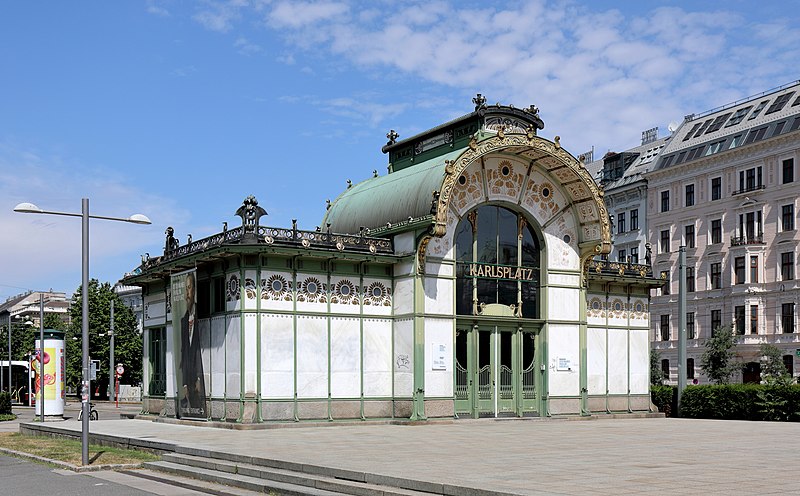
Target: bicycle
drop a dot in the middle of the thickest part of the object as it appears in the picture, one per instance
(93, 415)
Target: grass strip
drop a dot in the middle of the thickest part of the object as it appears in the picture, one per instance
(69, 450)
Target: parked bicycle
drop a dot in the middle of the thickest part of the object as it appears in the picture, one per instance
(93, 415)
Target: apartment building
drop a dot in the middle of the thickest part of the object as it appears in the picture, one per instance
(726, 186)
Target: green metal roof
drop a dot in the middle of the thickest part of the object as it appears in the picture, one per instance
(389, 199)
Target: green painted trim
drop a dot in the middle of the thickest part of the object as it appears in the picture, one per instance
(242, 373)
(418, 407)
(294, 344)
(584, 360)
(361, 337)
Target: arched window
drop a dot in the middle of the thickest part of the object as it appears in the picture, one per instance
(497, 258)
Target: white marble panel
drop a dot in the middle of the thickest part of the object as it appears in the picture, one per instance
(504, 187)
(403, 360)
(403, 269)
(250, 353)
(277, 356)
(204, 330)
(439, 269)
(378, 295)
(442, 247)
(596, 358)
(563, 304)
(345, 294)
(439, 383)
(276, 290)
(377, 357)
(345, 358)
(541, 197)
(563, 343)
(250, 293)
(217, 356)
(233, 357)
(312, 292)
(171, 362)
(404, 243)
(640, 361)
(155, 309)
(439, 296)
(617, 361)
(233, 297)
(617, 311)
(560, 279)
(312, 357)
(403, 296)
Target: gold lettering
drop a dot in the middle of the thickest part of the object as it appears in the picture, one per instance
(472, 270)
(517, 274)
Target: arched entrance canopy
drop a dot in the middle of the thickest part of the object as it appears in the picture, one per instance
(424, 170)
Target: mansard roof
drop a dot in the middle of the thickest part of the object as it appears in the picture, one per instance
(739, 124)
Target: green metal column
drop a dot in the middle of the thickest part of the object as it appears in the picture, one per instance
(584, 377)
(418, 412)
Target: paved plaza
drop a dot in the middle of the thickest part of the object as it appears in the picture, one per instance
(526, 457)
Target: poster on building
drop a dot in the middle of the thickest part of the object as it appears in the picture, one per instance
(191, 389)
(439, 356)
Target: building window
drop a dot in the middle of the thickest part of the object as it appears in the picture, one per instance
(690, 325)
(739, 319)
(787, 266)
(665, 369)
(689, 195)
(635, 255)
(716, 231)
(690, 279)
(665, 328)
(665, 241)
(787, 218)
(665, 278)
(690, 368)
(716, 188)
(158, 362)
(750, 179)
(716, 320)
(634, 219)
(689, 236)
(787, 318)
(621, 256)
(753, 319)
(750, 228)
(788, 171)
(788, 362)
(716, 275)
(738, 270)
(620, 222)
(665, 201)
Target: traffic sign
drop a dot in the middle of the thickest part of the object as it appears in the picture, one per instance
(120, 369)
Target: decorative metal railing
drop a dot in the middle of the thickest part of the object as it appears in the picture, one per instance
(529, 382)
(748, 189)
(620, 268)
(462, 384)
(506, 387)
(747, 240)
(484, 383)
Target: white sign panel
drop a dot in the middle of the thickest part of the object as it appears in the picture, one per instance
(564, 364)
(440, 356)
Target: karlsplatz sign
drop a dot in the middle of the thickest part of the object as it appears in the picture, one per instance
(498, 272)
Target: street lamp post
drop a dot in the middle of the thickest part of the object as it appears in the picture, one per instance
(30, 208)
(111, 355)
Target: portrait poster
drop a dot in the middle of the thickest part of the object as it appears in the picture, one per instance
(190, 382)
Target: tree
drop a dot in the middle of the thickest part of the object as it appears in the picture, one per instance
(656, 375)
(718, 359)
(127, 340)
(773, 370)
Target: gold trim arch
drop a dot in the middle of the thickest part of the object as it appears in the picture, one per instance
(574, 179)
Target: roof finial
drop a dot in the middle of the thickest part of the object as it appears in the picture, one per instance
(392, 135)
(479, 101)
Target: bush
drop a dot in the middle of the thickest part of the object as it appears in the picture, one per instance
(742, 402)
(665, 398)
(5, 403)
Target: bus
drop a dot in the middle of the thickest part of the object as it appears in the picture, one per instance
(21, 381)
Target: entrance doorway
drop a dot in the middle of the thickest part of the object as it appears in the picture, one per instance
(496, 371)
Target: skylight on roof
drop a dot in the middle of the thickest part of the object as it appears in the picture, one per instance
(779, 103)
(738, 116)
(758, 110)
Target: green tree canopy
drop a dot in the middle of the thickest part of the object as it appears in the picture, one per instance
(773, 370)
(127, 340)
(718, 361)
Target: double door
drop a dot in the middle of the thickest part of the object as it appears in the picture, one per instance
(496, 371)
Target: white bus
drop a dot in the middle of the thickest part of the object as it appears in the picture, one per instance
(21, 381)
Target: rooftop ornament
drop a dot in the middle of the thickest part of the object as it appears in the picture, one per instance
(392, 135)
(479, 101)
(250, 213)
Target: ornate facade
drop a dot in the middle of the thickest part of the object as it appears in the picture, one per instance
(466, 287)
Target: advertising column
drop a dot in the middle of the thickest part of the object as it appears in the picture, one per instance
(49, 368)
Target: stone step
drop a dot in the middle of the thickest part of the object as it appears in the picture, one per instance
(292, 477)
(165, 483)
(237, 480)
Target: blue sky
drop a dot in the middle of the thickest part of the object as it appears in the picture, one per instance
(180, 109)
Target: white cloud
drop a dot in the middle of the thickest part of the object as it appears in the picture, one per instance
(246, 47)
(45, 250)
(220, 16)
(300, 14)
